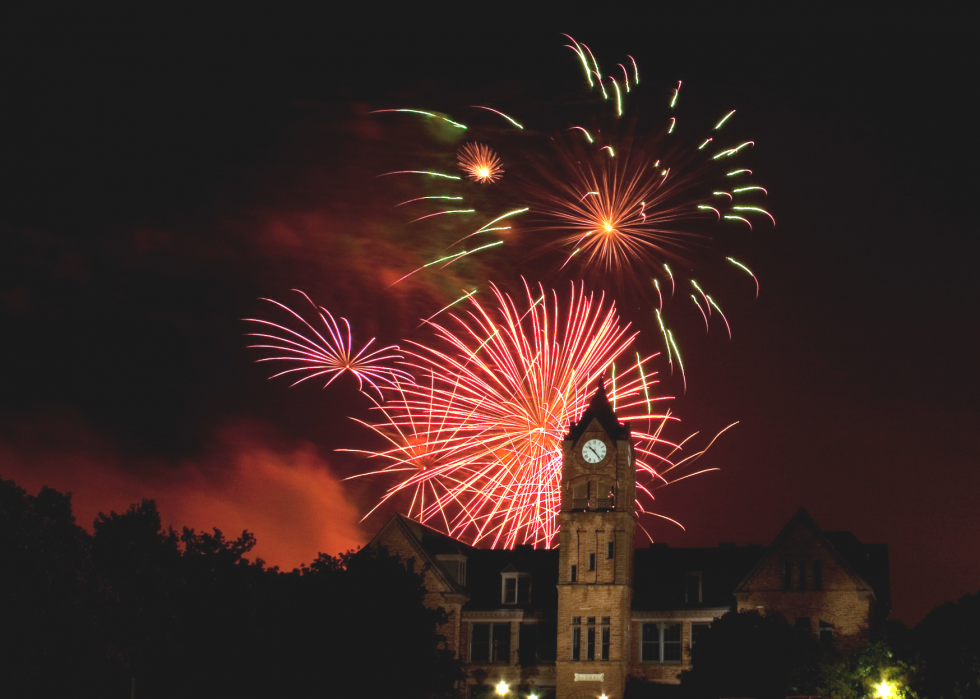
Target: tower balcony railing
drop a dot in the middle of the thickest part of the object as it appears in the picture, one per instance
(594, 504)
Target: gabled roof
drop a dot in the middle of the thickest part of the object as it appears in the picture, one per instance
(428, 544)
(599, 409)
(803, 519)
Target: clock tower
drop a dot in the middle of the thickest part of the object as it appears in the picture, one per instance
(595, 575)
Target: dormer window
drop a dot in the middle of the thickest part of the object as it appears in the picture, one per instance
(455, 567)
(515, 588)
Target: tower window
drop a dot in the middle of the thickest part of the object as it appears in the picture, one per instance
(591, 561)
(574, 575)
(611, 549)
(605, 638)
(576, 638)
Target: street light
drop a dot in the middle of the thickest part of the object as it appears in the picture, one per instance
(501, 688)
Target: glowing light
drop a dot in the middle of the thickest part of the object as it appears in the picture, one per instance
(707, 141)
(636, 71)
(502, 688)
(446, 308)
(314, 355)
(739, 264)
(673, 123)
(423, 198)
(421, 172)
(612, 153)
(619, 98)
(751, 189)
(626, 77)
(723, 120)
(479, 162)
(440, 213)
(738, 172)
(477, 440)
(581, 54)
(757, 210)
(512, 121)
(739, 218)
(587, 135)
(419, 111)
(677, 91)
(886, 690)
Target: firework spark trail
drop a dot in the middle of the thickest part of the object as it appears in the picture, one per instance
(316, 355)
(480, 163)
(477, 437)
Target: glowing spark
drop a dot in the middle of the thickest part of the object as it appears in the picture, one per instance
(420, 172)
(724, 194)
(704, 207)
(756, 209)
(643, 206)
(440, 213)
(739, 218)
(680, 362)
(432, 197)
(598, 79)
(587, 135)
(660, 296)
(707, 141)
(314, 355)
(512, 121)
(636, 71)
(663, 330)
(752, 189)
(718, 308)
(673, 123)
(446, 308)
(669, 274)
(581, 55)
(419, 111)
(595, 64)
(723, 120)
(738, 172)
(612, 153)
(739, 264)
(677, 91)
(626, 77)
(698, 304)
(704, 295)
(619, 99)
(479, 162)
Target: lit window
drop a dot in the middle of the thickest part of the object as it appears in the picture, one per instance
(660, 643)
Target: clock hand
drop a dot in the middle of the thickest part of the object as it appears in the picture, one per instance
(595, 452)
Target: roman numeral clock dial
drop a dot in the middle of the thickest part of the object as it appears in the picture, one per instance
(594, 451)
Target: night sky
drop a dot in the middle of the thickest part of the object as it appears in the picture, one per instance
(161, 173)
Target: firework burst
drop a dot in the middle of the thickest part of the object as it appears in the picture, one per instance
(476, 438)
(328, 353)
(480, 163)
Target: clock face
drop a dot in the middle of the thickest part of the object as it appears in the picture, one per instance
(594, 451)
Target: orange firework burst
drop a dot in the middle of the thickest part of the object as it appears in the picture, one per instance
(477, 441)
(621, 210)
(480, 162)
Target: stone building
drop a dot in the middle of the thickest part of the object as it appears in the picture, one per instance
(577, 622)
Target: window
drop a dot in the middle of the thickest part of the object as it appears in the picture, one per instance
(818, 575)
(826, 632)
(576, 637)
(591, 561)
(660, 643)
(590, 639)
(455, 567)
(516, 588)
(697, 631)
(611, 549)
(802, 575)
(605, 638)
(490, 643)
(527, 644)
(787, 576)
(692, 588)
(574, 576)
(803, 624)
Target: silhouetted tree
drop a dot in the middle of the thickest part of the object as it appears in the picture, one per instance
(948, 640)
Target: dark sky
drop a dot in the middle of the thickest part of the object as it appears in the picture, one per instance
(160, 173)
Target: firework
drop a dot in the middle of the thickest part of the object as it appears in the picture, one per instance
(326, 354)
(476, 438)
(479, 162)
